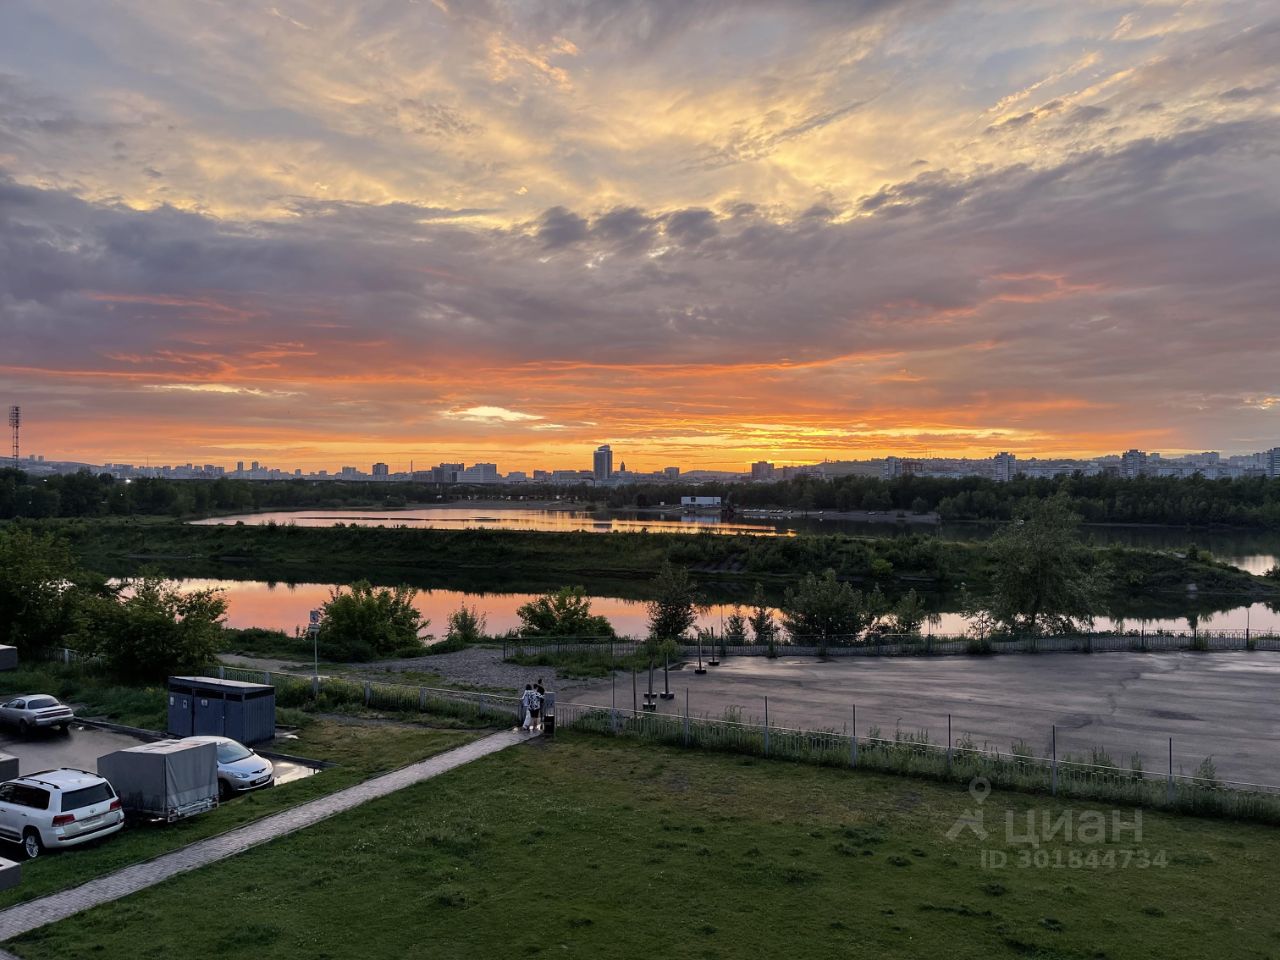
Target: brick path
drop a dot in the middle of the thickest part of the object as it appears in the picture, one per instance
(23, 917)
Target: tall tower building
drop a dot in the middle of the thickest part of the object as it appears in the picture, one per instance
(1005, 466)
(602, 462)
(1133, 464)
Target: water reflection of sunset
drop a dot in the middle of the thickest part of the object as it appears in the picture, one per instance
(283, 606)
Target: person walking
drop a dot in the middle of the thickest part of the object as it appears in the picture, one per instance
(535, 707)
(542, 700)
(526, 705)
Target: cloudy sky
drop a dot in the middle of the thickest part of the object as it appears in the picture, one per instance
(705, 231)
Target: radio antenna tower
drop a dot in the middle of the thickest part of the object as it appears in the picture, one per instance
(15, 422)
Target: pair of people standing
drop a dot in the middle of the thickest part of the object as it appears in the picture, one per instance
(531, 705)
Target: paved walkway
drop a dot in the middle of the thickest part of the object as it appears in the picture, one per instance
(24, 917)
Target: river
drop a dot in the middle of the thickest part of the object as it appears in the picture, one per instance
(280, 606)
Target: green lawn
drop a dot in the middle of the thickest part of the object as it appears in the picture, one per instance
(592, 848)
(359, 750)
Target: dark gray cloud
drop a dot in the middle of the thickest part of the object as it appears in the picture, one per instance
(691, 227)
(560, 227)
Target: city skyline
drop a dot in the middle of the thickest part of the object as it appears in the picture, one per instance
(1001, 466)
(715, 232)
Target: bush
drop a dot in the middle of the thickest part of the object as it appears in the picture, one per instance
(364, 622)
(155, 630)
(565, 613)
(466, 625)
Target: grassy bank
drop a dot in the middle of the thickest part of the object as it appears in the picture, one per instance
(586, 848)
(619, 564)
(359, 751)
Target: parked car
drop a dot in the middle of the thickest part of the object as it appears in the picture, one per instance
(239, 768)
(34, 710)
(58, 808)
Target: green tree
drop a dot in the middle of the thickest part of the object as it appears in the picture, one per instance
(565, 613)
(1042, 581)
(763, 626)
(466, 625)
(364, 622)
(823, 610)
(674, 607)
(735, 627)
(909, 614)
(154, 629)
(37, 590)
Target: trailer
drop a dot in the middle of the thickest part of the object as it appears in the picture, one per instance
(167, 780)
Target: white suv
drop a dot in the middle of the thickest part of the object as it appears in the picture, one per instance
(58, 808)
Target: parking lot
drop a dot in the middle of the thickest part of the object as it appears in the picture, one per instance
(81, 747)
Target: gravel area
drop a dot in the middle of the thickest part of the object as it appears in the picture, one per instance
(475, 666)
(481, 667)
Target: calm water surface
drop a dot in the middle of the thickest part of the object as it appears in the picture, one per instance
(285, 607)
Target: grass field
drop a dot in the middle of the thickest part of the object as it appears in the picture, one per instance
(591, 848)
(359, 750)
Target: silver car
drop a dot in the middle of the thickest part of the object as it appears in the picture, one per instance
(58, 808)
(239, 768)
(35, 710)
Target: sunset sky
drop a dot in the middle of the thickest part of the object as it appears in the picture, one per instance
(706, 232)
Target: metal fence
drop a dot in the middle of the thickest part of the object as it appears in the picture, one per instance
(908, 645)
(912, 754)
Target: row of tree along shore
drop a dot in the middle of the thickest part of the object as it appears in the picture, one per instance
(520, 561)
(1036, 578)
(1248, 503)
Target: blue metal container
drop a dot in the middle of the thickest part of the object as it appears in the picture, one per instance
(207, 706)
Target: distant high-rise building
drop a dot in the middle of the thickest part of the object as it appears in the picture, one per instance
(671, 473)
(1133, 464)
(895, 467)
(239, 466)
(762, 470)
(1005, 466)
(347, 472)
(381, 471)
(479, 473)
(255, 465)
(1273, 462)
(602, 462)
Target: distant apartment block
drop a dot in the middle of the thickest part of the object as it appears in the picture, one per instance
(1005, 464)
(602, 463)
(895, 467)
(479, 473)
(762, 470)
(381, 471)
(1133, 464)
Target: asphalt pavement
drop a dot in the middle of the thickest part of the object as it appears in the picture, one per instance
(80, 747)
(1224, 705)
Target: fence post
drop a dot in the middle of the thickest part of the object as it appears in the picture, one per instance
(266, 677)
(422, 699)
(368, 693)
(315, 687)
(949, 743)
(1053, 770)
(633, 690)
(686, 716)
(1169, 782)
(766, 726)
(853, 739)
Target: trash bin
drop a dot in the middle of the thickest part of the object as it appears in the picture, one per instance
(549, 725)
